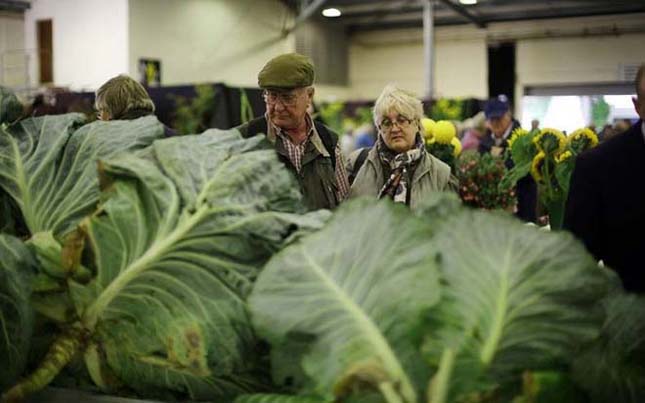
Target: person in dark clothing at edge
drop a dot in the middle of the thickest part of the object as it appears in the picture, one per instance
(123, 98)
(606, 204)
(500, 124)
(309, 149)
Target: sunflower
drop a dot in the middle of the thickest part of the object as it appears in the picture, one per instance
(536, 166)
(549, 141)
(583, 139)
(444, 131)
(517, 133)
(456, 146)
(563, 157)
(428, 128)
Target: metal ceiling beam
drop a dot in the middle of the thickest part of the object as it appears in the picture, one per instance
(309, 10)
(465, 13)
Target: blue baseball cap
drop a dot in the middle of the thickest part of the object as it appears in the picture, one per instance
(496, 107)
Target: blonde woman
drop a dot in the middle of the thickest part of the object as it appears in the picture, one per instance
(398, 166)
(123, 98)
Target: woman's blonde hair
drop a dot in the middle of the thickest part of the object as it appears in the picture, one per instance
(121, 95)
(395, 99)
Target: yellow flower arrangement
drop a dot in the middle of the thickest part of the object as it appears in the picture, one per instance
(536, 166)
(563, 157)
(456, 144)
(428, 128)
(517, 133)
(550, 141)
(585, 136)
(444, 132)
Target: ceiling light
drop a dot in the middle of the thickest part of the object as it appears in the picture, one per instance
(468, 2)
(331, 12)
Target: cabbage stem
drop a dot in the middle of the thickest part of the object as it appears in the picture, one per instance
(389, 393)
(440, 383)
(59, 355)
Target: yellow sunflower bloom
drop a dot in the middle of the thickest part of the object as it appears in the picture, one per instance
(456, 146)
(517, 133)
(431, 140)
(585, 138)
(536, 166)
(428, 128)
(444, 131)
(563, 157)
(550, 141)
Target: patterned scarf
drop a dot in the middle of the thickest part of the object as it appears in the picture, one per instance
(397, 186)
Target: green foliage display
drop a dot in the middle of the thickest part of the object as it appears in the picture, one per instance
(332, 115)
(447, 109)
(192, 115)
(10, 107)
(479, 177)
(600, 111)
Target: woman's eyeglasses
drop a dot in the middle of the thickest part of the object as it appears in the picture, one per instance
(401, 121)
(286, 98)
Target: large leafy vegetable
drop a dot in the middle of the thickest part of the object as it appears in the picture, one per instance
(182, 230)
(515, 298)
(612, 368)
(356, 291)
(171, 281)
(48, 165)
(16, 315)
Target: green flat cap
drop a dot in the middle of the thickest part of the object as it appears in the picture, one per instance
(290, 70)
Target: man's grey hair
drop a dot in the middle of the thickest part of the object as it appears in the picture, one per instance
(395, 99)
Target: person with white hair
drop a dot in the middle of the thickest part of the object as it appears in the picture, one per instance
(398, 166)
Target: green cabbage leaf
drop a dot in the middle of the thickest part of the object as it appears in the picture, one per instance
(352, 294)
(48, 165)
(513, 299)
(181, 234)
(17, 265)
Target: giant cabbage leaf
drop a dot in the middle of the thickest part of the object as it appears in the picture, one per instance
(16, 315)
(48, 165)
(177, 241)
(515, 298)
(353, 294)
(612, 368)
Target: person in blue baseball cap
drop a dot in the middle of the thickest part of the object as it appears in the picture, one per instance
(499, 126)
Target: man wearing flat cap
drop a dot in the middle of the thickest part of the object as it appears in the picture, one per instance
(500, 124)
(308, 148)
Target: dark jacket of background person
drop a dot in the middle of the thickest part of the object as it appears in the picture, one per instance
(526, 189)
(317, 178)
(606, 205)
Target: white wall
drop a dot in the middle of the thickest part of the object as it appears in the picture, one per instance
(577, 60)
(13, 59)
(90, 40)
(208, 40)
(571, 50)
(377, 58)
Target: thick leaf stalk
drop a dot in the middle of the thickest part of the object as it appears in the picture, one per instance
(59, 355)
